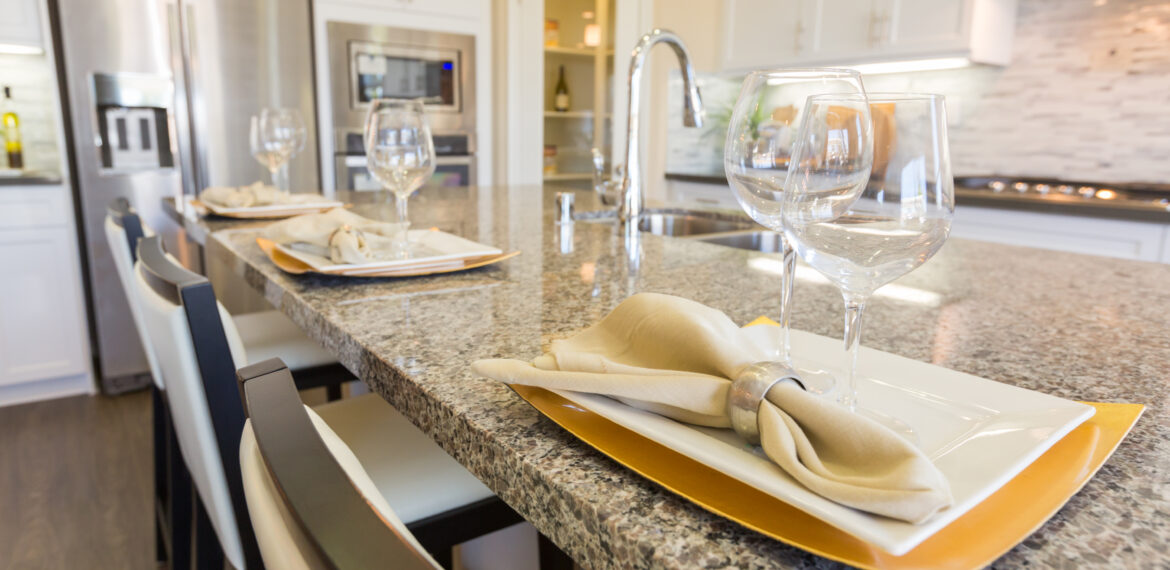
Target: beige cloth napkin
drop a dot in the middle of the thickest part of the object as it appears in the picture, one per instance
(676, 357)
(339, 235)
(256, 194)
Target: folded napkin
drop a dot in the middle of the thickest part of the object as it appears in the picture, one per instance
(256, 194)
(676, 357)
(339, 235)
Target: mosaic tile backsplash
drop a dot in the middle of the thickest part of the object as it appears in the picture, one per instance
(1086, 97)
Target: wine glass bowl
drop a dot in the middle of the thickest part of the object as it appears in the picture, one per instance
(400, 154)
(275, 136)
(860, 222)
(761, 138)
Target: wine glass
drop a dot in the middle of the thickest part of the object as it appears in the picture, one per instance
(757, 154)
(266, 149)
(284, 129)
(860, 222)
(400, 154)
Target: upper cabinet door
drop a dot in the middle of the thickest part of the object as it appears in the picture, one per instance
(20, 23)
(916, 24)
(840, 27)
(760, 33)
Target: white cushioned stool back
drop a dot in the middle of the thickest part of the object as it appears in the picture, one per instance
(166, 325)
(282, 545)
(120, 251)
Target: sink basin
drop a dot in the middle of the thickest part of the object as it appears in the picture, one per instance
(689, 224)
(762, 241)
(679, 223)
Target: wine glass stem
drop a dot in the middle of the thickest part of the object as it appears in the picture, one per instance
(786, 284)
(282, 181)
(403, 244)
(853, 311)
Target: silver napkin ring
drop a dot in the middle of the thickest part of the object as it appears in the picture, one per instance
(748, 391)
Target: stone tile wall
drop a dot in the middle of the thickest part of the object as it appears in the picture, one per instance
(1087, 96)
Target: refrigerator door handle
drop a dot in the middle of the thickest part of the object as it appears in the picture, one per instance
(191, 160)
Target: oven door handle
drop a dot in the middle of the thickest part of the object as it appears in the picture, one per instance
(359, 160)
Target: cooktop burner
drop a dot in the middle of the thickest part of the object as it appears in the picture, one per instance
(1066, 195)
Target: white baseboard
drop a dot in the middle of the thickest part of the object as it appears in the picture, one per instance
(38, 390)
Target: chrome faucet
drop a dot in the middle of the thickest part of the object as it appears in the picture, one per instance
(632, 191)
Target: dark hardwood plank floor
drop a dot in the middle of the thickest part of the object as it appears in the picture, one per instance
(76, 483)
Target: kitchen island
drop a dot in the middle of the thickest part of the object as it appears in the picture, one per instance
(1080, 327)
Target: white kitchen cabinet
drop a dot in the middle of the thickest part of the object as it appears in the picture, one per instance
(838, 28)
(44, 339)
(921, 24)
(1124, 239)
(20, 23)
(758, 32)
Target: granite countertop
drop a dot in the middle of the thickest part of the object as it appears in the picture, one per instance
(1081, 327)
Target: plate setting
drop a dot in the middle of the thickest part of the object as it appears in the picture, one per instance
(981, 434)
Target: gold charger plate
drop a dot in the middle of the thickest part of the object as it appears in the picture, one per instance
(290, 264)
(292, 210)
(974, 540)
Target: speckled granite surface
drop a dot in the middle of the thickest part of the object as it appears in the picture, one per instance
(1085, 328)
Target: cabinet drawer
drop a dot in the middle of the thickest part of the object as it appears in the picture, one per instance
(34, 207)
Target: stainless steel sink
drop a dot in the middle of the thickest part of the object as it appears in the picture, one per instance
(689, 224)
(679, 223)
(763, 241)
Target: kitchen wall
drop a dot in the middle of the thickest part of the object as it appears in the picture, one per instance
(31, 79)
(1087, 96)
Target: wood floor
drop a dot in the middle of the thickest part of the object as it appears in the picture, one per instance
(76, 484)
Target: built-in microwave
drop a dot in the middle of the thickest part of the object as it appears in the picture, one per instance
(368, 62)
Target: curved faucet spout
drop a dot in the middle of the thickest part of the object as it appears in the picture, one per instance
(633, 182)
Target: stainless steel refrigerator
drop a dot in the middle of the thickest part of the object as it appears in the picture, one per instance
(158, 96)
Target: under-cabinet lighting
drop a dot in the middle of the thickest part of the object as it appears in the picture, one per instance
(20, 49)
(935, 64)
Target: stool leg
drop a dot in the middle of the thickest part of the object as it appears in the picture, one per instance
(159, 431)
(552, 557)
(208, 552)
(180, 496)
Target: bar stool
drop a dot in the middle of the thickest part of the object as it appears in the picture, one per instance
(264, 335)
(312, 503)
(197, 353)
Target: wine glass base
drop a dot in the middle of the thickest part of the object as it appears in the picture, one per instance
(896, 425)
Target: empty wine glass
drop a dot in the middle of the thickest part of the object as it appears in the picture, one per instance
(266, 148)
(757, 154)
(285, 129)
(864, 225)
(400, 154)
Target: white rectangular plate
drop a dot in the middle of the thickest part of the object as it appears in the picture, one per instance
(270, 209)
(980, 433)
(443, 248)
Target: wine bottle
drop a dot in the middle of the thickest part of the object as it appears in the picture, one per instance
(11, 127)
(561, 102)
